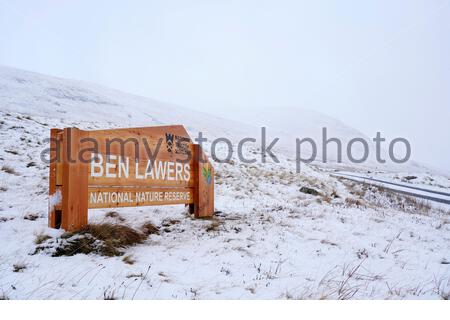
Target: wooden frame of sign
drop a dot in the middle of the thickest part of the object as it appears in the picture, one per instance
(125, 168)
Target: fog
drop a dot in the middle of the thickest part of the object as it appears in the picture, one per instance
(374, 65)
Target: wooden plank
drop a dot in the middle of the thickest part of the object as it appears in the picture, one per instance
(169, 142)
(74, 184)
(105, 197)
(204, 188)
(168, 148)
(59, 170)
(112, 171)
(206, 191)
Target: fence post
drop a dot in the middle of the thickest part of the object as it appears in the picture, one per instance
(204, 184)
(74, 182)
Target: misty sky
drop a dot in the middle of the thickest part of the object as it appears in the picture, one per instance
(375, 65)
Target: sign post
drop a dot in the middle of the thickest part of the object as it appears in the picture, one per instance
(125, 168)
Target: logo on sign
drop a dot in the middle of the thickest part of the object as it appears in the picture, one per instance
(177, 144)
(206, 172)
(169, 142)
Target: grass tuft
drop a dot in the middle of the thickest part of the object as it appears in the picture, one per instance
(8, 169)
(114, 215)
(19, 267)
(109, 295)
(149, 228)
(351, 202)
(31, 164)
(213, 226)
(40, 238)
(128, 259)
(31, 216)
(106, 239)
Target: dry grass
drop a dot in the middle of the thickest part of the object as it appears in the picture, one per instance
(19, 267)
(341, 283)
(31, 216)
(390, 242)
(121, 234)
(214, 226)
(40, 238)
(443, 223)
(105, 239)
(445, 295)
(442, 287)
(352, 202)
(345, 286)
(335, 195)
(167, 224)
(8, 169)
(149, 228)
(415, 205)
(114, 215)
(379, 197)
(31, 164)
(109, 295)
(128, 259)
(362, 254)
(331, 243)
(170, 222)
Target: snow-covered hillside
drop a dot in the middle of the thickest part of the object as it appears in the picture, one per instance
(39, 95)
(276, 233)
(34, 94)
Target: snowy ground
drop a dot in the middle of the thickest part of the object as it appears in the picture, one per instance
(268, 241)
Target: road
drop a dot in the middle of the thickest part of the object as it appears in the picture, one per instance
(418, 192)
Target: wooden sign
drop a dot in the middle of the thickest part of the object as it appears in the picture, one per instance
(125, 168)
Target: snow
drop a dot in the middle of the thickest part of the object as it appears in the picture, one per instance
(437, 194)
(267, 241)
(54, 200)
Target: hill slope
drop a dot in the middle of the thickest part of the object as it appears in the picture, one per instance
(40, 95)
(269, 239)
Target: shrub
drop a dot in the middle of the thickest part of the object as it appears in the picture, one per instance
(105, 239)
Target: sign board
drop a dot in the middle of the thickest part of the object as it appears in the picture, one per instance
(125, 168)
